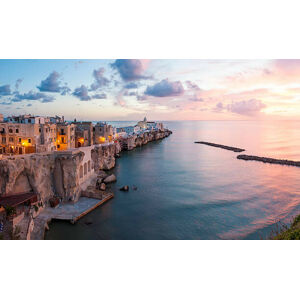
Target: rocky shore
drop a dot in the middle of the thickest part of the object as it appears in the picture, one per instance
(57, 175)
(269, 160)
(229, 148)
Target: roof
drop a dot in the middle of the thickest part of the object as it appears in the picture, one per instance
(17, 199)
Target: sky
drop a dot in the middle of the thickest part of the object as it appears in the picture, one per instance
(129, 89)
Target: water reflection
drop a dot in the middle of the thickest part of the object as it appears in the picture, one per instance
(192, 191)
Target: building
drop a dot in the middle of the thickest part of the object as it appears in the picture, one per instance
(48, 137)
(56, 119)
(65, 137)
(150, 125)
(103, 133)
(19, 138)
(143, 124)
(83, 134)
(26, 119)
(129, 130)
(1, 118)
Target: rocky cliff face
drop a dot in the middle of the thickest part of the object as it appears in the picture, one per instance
(66, 175)
(57, 174)
(27, 173)
(140, 140)
(104, 156)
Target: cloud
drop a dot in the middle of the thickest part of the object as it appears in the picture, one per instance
(131, 85)
(5, 90)
(6, 103)
(82, 93)
(33, 96)
(131, 69)
(53, 84)
(141, 97)
(219, 107)
(192, 85)
(130, 93)
(18, 82)
(197, 97)
(99, 96)
(165, 88)
(100, 80)
(249, 107)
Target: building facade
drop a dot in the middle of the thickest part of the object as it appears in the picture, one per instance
(65, 136)
(103, 133)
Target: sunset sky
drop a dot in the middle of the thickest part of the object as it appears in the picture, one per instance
(160, 89)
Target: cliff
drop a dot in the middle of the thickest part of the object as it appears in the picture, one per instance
(58, 173)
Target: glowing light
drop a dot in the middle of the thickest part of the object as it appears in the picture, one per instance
(102, 139)
(81, 140)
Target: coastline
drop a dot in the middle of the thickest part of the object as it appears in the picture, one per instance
(58, 174)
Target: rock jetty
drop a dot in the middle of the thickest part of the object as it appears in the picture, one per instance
(269, 160)
(229, 148)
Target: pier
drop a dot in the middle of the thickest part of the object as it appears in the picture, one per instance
(229, 148)
(71, 212)
(269, 160)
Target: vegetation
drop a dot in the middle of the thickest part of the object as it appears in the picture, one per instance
(284, 232)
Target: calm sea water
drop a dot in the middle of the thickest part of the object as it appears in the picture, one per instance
(193, 191)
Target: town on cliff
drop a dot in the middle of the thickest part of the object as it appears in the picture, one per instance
(49, 165)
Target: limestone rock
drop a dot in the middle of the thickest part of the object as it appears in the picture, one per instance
(110, 179)
(124, 188)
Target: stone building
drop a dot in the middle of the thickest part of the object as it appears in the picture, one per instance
(83, 134)
(19, 138)
(103, 133)
(48, 137)
(65, 136)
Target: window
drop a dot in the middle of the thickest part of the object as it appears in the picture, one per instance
(20, 140)
(85, 169)
(17, 130)
(3, 139)
(10, 130)
(11, 139)
(29, 121)
(29, 140)
(81, 171)
(40, 130)
(62, 131)
(62, 140)
(89, 166)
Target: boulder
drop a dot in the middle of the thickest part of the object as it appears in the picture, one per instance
(124, 188)
(110, 179)
(102, 187)
(102, 174)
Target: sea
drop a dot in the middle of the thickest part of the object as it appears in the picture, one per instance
(188, 191)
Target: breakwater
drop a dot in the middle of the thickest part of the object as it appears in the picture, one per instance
(269, 160)
(229, 148)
